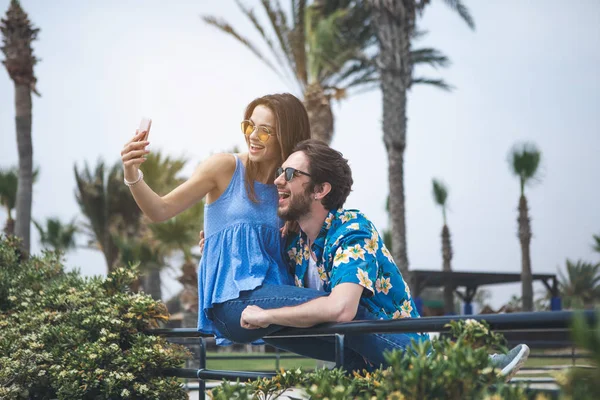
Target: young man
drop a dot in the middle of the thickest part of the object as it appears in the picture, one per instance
(340, 254)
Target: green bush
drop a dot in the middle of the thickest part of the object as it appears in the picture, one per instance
(449, 368)
(583, 383)
(68, 337)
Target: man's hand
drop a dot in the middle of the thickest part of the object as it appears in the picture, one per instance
(254, 317)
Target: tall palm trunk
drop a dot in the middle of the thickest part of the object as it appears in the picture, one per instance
(318, 107)
(151, 281)
(395, 24)
(25, 148)
(525, 239)
(189, 295)
(447, 258)
(17, 36)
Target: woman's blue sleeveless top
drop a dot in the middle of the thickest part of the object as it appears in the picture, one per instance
(243, 247)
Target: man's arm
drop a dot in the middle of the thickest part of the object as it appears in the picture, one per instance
(340, 306)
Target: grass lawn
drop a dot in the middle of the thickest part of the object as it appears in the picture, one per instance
(239, 363)
(533, 362)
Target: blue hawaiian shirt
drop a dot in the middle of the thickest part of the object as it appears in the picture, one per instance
(349, 249)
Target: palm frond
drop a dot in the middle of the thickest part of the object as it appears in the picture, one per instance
(138, 250)
(248, 12)
(580, 286)
(440, 195)
(328, 51)
(429, 56)
(58, 236)
(524, 160)
(9, 181)
(367, 87)
(440, 192)
(357, 69)
(90, 197)
(225, 27)
(596, 245)
(439, 83)
(463, 11)
(162, 173)
(180, 232)
(124, 215)
(278, 22)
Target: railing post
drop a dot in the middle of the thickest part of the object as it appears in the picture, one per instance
(201, 366)
(339, 350)
(468, 309)
(419, 304)
(277, 354)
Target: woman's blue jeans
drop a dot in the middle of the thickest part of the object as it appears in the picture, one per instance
(362, 351)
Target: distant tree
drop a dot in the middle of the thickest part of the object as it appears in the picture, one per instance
(56, 235)
(17, 36)
(9, 181)
(116, 225)
(8, 197)
(580, 287)
(524, 160)
(108, 207)
(440, 196)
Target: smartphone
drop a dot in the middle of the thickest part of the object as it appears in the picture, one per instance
(145, 125)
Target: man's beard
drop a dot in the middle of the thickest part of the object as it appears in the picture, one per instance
(299, 206)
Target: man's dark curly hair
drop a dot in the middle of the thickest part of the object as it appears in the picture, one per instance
(327, 165)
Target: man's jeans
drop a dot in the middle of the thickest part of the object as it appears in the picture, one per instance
(363, 351)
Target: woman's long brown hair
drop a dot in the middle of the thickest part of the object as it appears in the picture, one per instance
(291, 127)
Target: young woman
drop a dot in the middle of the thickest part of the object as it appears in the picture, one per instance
(243, 245)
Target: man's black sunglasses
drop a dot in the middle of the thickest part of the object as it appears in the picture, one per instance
(290, 173)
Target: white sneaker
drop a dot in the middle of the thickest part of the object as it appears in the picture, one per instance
(510, 362)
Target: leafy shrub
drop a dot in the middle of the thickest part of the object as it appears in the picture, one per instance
(579, 383)
(448, 368)
(68, 337)
(477, 334)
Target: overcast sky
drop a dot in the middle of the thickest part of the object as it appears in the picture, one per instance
(529, 72)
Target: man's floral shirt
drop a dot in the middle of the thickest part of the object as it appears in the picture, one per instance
(349, 249)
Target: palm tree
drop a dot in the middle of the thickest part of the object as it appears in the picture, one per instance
(8, 197)
(117, 226)
(108, 207)
(524, 160)
(321, 47)
(326, 50)
(395, 27)
(17, 35)
(9, 181)
(177, 236)
(162, 175)
(580, 288)
(440, 196)
(58, 236)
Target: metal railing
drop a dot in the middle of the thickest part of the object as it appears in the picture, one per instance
(522, 322)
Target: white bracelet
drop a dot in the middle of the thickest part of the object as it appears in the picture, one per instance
(139, 178)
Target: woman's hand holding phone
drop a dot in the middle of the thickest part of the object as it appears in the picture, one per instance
(134, 151)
